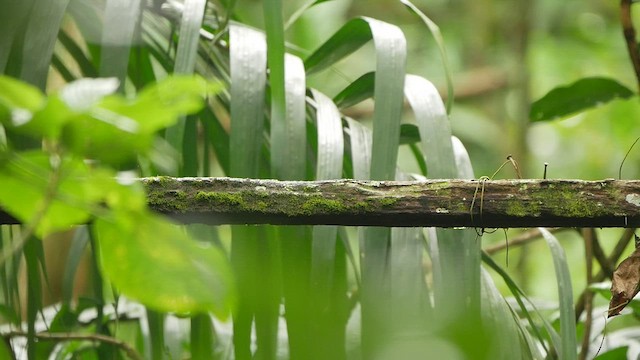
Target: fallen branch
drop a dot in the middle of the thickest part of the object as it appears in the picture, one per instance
(441, 203)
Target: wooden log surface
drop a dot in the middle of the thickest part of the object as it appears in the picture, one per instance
(439, 203)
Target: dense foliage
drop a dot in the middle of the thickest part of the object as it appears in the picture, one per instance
(97, 93)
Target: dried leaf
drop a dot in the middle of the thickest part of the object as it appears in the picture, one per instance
(625, 283)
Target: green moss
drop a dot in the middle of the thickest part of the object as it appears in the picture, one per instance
(220, 199)
(318, 204)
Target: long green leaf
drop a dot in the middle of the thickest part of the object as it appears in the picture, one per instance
(248, 78)
(357, 91)
(39, 40)
(390, 47)
(360, 149)
(324, 278)
(13, 19)
(565, 294)
(288, 135)
(348, 39)
(120, 20)
(183, 135)
(253, 255)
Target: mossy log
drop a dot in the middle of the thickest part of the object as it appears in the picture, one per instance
(439, 203)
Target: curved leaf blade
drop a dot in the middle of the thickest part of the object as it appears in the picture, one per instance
(356, 92)
(248, 79)
(583, 94)
(345, 41)
(565, 294)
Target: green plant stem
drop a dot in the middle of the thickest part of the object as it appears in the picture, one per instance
(589, 236)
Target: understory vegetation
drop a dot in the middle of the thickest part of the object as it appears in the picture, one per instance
(96, 94)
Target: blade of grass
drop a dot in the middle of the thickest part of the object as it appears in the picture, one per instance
(520, 298)
(120, 20)
(437, 36)
(502, 332)
(357, 91)
(569, 342)
(183, 135)
(32, 248)
(39, 40)
(78, 247)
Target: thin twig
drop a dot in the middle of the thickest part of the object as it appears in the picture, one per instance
(131, 352)
(630, 36)
(522, 239)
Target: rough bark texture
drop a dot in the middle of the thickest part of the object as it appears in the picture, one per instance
(440, 203)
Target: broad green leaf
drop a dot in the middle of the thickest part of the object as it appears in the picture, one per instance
(17, 95)
(348, 39)
(156, 263)
(615, 354)
(120, 20)
(437, 36)
(39, 39)
(583, 94)
(159, 105)
(565, 294)
(41, 189)
(357, 91)
(248, 53)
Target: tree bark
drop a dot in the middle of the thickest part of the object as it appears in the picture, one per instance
(439, 203)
